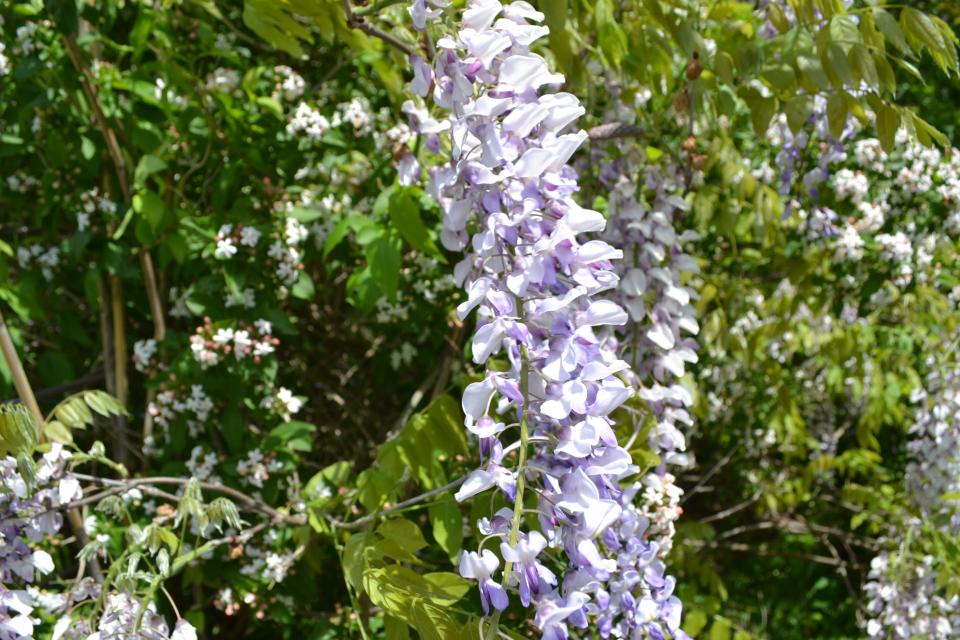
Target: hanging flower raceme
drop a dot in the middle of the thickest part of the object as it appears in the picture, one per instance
(536, 274)
(645, 197)
(906, 592)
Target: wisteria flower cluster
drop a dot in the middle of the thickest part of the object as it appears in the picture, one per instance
(534, 270)
(906, 597)
(28, 515)
(657, 341)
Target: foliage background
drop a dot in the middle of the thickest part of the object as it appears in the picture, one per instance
(132, 129)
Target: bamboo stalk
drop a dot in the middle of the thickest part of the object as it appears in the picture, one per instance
(120, 437)
(159, 331)
(20, 382)
(146, 261)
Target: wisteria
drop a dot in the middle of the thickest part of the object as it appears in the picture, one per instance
(534, 270)
(906, 595)
(646, 198)
(28, 515)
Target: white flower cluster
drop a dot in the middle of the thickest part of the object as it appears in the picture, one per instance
(197, 406)
(202, 464)
(851, 185)
(291, 84)
(4, 61)
(270, 565)
(164, 94)
(904, 601)
(21, 182)
(25, 38)
(223, 80)
(288, 252)
(356, 113)
(229, 238)
(255, 469)
(143, 352)
(120, 620)
(283, 402)
(308, 121)
(657, 342)
(91, 202)
(210, 347)
(47, 258)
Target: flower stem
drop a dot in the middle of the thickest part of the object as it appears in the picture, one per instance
(521, 469)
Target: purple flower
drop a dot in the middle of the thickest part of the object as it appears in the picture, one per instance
(480, 567)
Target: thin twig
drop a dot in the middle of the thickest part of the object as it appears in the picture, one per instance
(364, 521)
(720, 515)
(246, 500)
(611, 130)
(355, 21)
(705, 479)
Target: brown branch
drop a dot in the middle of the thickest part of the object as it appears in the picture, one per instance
(720, 515)
(365, 520)
(355, 21)
(120, 379)
(612, 130)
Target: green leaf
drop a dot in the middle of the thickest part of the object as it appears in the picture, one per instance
(863, 65)
(404, 533)
(294, 435)
(890, 29)
(888, 121)
(65, 15)
(447, 524)
(336, 236)
(404, 210)
(151, 207)
(761, 108)
(306, 215)
(781, 77)
(87, 148)
(798, 110)
(148, 165)
(927, 134)
(836, 114)
(271, 105)
(610, 35)
(395, 628)
(303, 288)
(383, 255)
(353, 559)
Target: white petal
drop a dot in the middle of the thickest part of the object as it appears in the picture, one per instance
(42, 561)
(476, 397)
(605, 312)
(479, 480)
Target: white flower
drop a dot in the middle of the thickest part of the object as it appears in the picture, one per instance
(263, 326)
(295, 232)
(290, 402)
(850, 185)
(241, 342)
(183, 630)
(250, 236)
(225, 249)
(850, 244)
